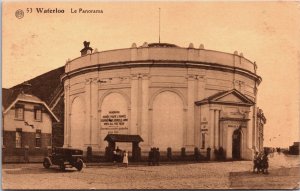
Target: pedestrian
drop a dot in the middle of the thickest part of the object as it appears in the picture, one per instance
(154, 160)
(150, 157)
(157, 156)
(114, 156)
(125, 158)
(255, 161)
(265, 162)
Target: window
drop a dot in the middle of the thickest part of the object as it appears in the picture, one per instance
(38, 135)
(18, 138)
(38, 113)
(19, 112)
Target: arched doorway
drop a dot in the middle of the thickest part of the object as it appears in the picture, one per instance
(236, 144)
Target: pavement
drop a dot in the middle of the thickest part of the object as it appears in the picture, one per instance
(284, 174)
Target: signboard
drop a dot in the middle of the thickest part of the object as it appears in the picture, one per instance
(114, 122)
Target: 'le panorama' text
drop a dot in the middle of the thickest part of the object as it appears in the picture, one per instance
(80, 10)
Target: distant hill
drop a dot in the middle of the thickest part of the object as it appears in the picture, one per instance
(42, 86)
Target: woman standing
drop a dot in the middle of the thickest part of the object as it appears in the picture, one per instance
(125, 159)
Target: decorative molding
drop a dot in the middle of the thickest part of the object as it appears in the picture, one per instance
(126, 97)
(88, 81)
(176, 91)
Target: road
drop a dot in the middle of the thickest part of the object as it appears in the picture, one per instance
(284, 174)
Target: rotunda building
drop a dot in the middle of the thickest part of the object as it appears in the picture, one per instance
(168, 95)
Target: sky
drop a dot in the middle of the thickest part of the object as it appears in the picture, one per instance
(265, 32)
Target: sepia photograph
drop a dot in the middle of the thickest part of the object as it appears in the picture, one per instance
(150, 95)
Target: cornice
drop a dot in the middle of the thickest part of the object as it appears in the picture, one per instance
(162, 63)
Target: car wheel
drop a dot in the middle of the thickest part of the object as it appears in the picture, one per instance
(46, 163)
(79, 165)
(62, 167)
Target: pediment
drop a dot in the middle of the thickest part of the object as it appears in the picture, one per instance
(232, 97)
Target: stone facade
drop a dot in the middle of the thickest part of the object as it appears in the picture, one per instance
(170, 96)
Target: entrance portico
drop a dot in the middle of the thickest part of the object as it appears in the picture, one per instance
(134, 139)
(224, 120)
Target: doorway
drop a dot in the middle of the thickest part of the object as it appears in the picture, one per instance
(236, 144)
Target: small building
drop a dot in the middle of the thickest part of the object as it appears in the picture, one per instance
(27, 127)
(294, 149)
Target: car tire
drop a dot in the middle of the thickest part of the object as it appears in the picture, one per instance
(79, 165)
(62, 167)
(46, 163)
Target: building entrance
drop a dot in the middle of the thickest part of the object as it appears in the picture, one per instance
(112, 139)
(236, 144)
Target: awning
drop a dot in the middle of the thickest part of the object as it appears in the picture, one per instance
(123, 138)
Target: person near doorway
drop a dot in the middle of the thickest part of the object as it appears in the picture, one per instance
(125, 158)
(115, 156)
(255, 162)
(118, 155)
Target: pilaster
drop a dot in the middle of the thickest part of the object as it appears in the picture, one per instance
(94, 111)
(191, 111)
(212, 129)
(67, 115)
(134, 104)
(88, 119)
(145, 108)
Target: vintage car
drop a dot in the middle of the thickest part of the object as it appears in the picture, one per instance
(65, 158)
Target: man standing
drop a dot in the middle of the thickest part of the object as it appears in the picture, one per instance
(255, 162)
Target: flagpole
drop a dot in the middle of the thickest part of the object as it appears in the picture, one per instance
(159, 27)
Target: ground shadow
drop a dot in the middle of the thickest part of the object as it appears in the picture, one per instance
(34, 170)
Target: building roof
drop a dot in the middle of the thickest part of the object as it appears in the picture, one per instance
(123, 138)
(220, 98)
(30, 99)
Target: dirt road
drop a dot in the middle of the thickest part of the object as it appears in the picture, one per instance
(177, 176)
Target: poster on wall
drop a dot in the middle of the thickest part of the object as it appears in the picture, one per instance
(114, 122)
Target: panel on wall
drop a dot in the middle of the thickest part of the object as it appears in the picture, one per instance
(167, 121)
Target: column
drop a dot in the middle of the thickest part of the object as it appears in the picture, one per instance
(94, 111)
(145, 108)
(134, 104)
(67, 116)
(191, 111)
(139, 105)
(87, 132)
(200, 94)
(251, 127)
(212, 129)
(217, 129)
